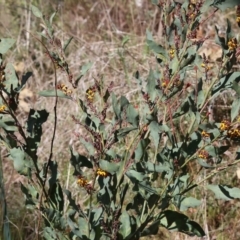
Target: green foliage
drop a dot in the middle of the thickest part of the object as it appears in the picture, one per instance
(137, 157)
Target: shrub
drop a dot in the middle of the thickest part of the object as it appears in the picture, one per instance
(137, 172)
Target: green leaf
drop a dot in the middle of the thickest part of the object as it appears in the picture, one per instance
(31, 196)
(110, 167)
(11, 78)
(226, 82)
(4, 213)
(53, 93)
(97, 216)
(125, 40)
(175, 221)
(36, 12)
(135, 176)
(89, 147)
(125, 227)
(116, 107)
(6, 44)
(224, 192)
(8, 124)
(183, 203)
(235, 108)
(154, 133)
(158, 49)
(21, 161)
(132, 115)
(224, 4)
(236, 88)
(86, 67)
(121, 133)
(151, 86)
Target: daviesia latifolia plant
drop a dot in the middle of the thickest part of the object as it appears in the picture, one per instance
(137, 171)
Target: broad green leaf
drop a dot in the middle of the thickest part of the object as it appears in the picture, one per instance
(86, 67)
(140, 152)
(36, 12)
(31, 196)
(125, 40)
(158, 49)
(132, 115)
(236, 88)
(151, 86)
(224, 4)
(83, 227)
(187, 202)
(4, 213)
(6, 44)
(21, 161)
(235, 108)
(89, 147)
(53, 93)
(49, 234)
(156, 167)
(154, 133)
(135, 176)
(175, 221)
(224, 192)
(110, 167)
(8, 124)
(116, 107)
(121, 133)
(97, 215)
(11, 78)
(203, 163)
(226, 82)
(125, 227)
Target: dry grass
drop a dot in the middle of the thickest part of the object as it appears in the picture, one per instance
(98, 28)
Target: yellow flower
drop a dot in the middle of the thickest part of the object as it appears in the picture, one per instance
(102, 173)
(82, 182)
(203, 154)
(90, 93)
(64, 89)
(234, 133)
(203, 65)
(2, 108)
(224, 125)
(205, 134)
(172, 52)
(232, 44)
(238, 19)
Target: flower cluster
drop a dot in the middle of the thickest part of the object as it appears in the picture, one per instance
(205, 66)
(102, 173)
(90, 93)
(2, 108)
(171, 53)
(225, 125)
(82, 182)
(205, 134)
(203, 154)
(234, 134)
(232, 44)
(64, 89)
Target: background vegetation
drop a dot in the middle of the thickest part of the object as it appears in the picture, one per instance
(111, 35)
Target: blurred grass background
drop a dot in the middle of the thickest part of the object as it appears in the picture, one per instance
(99, 29)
